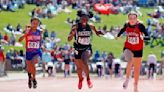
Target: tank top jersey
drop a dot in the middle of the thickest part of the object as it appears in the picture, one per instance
(33, 41)
(83, 35)
(134, 40)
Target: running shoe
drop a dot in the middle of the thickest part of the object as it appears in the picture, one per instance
(125, 84)
(80, 84)
(29, 83)
(90, 85)
(34, 83)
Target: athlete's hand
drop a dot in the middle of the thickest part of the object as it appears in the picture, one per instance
(98, 33)
(116, 37)
(27, 29)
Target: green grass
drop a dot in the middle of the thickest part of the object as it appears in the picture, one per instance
(62, 29)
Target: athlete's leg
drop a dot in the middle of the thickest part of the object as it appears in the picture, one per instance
(137, 65)
(79, 66)
(35, 60)
(29, 71)
(128, 69)
(128, 73)
(85, 58)
(129, 58)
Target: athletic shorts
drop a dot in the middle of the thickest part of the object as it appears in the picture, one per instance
(66, 61)
(31, 55)
(80, 49)
(99, 66)
(138, 53)
(110, 66)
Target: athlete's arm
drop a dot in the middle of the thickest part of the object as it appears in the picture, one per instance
(24, 33)
(122, 31)
(94, 29)
(22, 37)
(41, 35)
(143, 29)
(72, 33)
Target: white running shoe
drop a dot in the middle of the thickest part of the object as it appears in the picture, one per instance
(125, 84)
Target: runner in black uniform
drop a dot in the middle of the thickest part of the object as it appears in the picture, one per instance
(82, 32)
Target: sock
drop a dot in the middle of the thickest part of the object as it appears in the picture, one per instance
(29, 76)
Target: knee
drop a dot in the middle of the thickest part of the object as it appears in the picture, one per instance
(79, 69)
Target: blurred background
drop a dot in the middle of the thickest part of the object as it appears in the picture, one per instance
(57, 17)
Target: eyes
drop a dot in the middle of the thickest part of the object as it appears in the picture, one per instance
(35, 22)
(132, 17)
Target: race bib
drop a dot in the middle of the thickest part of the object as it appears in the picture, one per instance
(34, 45)
(84, 40)
(133, 40)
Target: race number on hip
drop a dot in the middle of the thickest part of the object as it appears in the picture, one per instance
(133, 40)
(84, 40)
(33, 45)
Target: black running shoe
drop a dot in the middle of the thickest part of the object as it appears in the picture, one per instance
(34, 83)
(29, 83)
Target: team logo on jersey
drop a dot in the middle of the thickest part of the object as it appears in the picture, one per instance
(84, 33)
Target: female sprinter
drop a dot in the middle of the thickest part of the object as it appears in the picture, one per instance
(82, 32)
(33, 37)
(133, 47)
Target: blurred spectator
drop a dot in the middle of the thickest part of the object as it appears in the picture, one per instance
(103, 59)
(53, 35)
(47, 44)
(151, 62)
(12, 39)
(21, 53)
(67, 59)
(52, 44)
(117, 67)
(105, 28)
(19, 28)
(21, 56)
(48, 10)
(9, 59)
(109, 62)
(5, 39)
(104, 55)
(96, 56)
(149, 28)
(46, 57)
(1, 37)
(97, 18)
(99, 65)
(2, 62)
(9, 27)
(154, 38)
(45, 34)
(10, 54)
(66, 46)
(156, 14)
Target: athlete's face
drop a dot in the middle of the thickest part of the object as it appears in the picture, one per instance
(84, 20)
(132, 19)
(35, 23)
